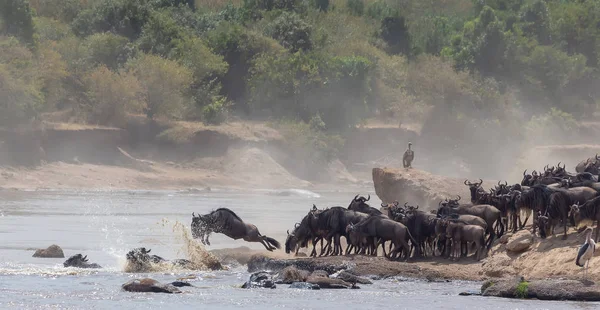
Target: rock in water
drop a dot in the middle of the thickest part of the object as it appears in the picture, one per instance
(53, 251)
(305, 286)
(351, 278)
(147, 285)
(260, 279)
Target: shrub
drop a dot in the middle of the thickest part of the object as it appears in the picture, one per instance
(108, 49)
(160, 34)
(394, 31)
(110, 95)
(50, 29)
(291, 32)
(215, 112)
(21, 101)
(356, 7)
(17, 17)
(123, 17)
(61, 10)
(166, 85)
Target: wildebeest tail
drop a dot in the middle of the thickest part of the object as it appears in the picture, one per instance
(273, 242)
(412, 239)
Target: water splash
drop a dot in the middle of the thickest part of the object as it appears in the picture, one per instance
(194, 251)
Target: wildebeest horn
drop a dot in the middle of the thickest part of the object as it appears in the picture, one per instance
(355, 197)
(505, 183)
(405, 204)
(597, 156)
(480, 182)
(498, 183)
(369, 197)
(417, 207)
(440, 203)
(288, 231)
(383, 205)
(458, 197)
(193, 215)
(466, 182)
(85, 257)
(525, 172)
(296, 225)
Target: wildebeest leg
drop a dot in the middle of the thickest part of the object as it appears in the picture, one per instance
(206, 238)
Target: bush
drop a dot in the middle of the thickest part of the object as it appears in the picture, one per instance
(160, 34)
(166, 85)
(215, 112)
(61, 10)
(50, 29)
(21, 101)
(394, 31)
(17, 17)
(122, 17)
(356, 7)
(110, 95)
(108, 49)
(291, 32)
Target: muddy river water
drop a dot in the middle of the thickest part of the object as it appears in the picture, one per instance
(104, 225)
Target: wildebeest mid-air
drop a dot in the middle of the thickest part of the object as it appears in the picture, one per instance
(225, 221)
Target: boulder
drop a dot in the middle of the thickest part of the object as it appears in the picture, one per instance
(53, 251)
(147, 285)
(548, 289)
(260, 279)
(320, 274)
(305, 286)
(520, 242)
(504, 238)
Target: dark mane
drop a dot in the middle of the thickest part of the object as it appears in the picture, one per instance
(228, 210)
(589, 209)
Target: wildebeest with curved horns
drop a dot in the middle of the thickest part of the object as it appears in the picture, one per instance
(359, 204)
(225, 221)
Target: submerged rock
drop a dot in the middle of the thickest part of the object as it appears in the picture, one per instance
(147, 285)
(542, 289)
(305, 286)
(53, 251)
(260, 279)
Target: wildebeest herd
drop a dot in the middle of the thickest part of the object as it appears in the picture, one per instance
(554, 197)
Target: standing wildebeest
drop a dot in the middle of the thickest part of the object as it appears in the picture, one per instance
(359, 204)
(489, 213)
(386, 230)
(560, 203)
(226, 222)
(421, 225)
(589, 211)
(458, 233)
(80, 261)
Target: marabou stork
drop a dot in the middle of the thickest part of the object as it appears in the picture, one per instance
(586, 251)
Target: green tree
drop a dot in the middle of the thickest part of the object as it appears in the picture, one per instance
(17, 17)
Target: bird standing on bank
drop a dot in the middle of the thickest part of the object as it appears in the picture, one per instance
(586, 251)
(408, 157)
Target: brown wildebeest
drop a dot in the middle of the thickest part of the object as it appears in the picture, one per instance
(226, 222)
(385, 230)
(459, 233)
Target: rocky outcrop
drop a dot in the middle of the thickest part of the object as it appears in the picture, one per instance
(542, 289)
(418, 187)
(519, 242)
(53, 251)
(147, 285)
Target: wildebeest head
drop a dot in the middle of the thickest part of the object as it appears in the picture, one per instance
(359, 203)
(79, 261)
(291, 241)
(543, 222)
(474, 188)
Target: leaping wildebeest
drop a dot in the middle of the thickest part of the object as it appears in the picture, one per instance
(225, 221)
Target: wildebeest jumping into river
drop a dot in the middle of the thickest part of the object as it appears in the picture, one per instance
(225, 221)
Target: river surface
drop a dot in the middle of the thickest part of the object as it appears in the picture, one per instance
(104, 225)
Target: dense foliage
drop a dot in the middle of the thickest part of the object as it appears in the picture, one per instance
(452, 65)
